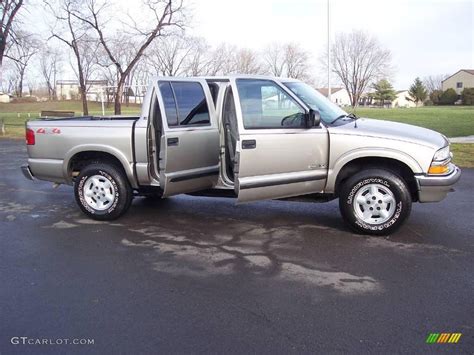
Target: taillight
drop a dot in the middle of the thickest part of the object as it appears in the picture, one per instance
(30, 137)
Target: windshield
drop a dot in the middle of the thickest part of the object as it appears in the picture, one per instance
(311, 97)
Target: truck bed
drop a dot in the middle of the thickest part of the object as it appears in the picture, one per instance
(59, 140)
(90, 118)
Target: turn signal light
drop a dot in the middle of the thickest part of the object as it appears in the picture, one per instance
(438, 169)
(30, 137)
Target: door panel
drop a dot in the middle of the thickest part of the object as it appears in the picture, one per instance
(282, 164)
(189, 153)
(277, 157)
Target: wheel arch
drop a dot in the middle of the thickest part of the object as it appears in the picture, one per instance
(401, 168)
(75, 157)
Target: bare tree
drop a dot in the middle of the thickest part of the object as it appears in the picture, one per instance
(166, 14)
(198, 61)
(49, 65)
(274, 59)
(8, 12)
(247, 62)
(221, 60)
(358, 60)
(288, 60)
(169, 55)
(71, 32)
(88, 48)
(21, 52)
(434, 82)
(296, 60)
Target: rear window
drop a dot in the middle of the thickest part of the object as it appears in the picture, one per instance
(185, 103)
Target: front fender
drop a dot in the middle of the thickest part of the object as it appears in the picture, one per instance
(358, 153)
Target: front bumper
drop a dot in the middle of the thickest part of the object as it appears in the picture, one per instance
(433, 188)
(25, 169)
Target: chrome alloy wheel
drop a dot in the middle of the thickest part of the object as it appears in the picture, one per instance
(374, 204)
(99, 192)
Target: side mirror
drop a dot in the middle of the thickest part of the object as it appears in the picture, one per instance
(312, 118)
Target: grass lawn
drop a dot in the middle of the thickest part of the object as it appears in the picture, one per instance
(463, 154)
(452, 121)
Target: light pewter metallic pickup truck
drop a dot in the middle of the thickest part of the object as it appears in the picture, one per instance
(248, 137)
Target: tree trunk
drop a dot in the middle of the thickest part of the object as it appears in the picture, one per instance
(353, 100)
(84, 101)
(83, 90)
(118, 96)
(20, 84)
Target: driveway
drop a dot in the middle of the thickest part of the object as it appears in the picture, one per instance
(202, 275)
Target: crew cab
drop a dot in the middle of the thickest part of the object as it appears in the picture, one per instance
(246, 137)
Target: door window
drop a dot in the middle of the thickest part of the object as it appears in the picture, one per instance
(265, 105)
(185, 103)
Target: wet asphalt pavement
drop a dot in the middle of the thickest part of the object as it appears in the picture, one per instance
(202, 275)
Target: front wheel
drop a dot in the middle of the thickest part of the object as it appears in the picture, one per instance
(102, 191)
(375, 201)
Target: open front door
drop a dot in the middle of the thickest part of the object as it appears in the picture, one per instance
(189, 149)
(276, 156)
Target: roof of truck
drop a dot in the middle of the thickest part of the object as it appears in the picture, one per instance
(230, 76)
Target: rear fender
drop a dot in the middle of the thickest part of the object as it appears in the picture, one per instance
(127, 165)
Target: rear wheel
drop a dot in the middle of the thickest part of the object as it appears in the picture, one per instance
(375, 201)
(102, 191)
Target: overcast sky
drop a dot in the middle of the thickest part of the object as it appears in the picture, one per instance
(425, 36)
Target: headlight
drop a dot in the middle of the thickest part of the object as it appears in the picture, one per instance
(441, 161)
(442, 154)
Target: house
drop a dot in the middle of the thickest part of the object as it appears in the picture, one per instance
(4, 98)
(339, 96)
(402, 99)
(69, 89)
(463, 78)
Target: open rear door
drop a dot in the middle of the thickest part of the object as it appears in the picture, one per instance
(276, 155)
(189, 149)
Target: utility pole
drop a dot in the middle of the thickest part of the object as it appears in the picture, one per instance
(329, 52)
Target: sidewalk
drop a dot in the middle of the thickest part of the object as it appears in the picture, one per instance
(468, 139)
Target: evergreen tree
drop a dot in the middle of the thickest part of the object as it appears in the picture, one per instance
(417, 92)
(383, 91)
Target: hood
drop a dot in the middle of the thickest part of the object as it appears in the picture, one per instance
(392, 130)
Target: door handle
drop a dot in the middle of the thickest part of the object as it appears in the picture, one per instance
(249, 144)
(172, 141)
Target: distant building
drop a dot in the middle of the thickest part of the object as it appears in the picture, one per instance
(69, 89)
(4, 98)
(339, 96)
(463, 78)
(403, 99)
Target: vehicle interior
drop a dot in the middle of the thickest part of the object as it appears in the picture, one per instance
(229, 118)
(155, 133)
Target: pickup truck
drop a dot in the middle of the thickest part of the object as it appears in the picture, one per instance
(247, 137)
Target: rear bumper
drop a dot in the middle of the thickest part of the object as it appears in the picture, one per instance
(435, 188)
(25, 169)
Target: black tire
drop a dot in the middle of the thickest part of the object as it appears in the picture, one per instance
(122, 197)
(363, 180)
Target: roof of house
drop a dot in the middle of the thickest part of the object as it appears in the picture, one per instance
(469, 71)
(324, 91)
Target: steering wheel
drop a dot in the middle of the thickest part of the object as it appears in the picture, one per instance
(291, 120)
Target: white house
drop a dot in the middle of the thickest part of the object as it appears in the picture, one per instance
(4, 98)
(69, 89)
(402, 99)
(339, 96)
